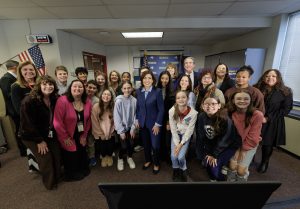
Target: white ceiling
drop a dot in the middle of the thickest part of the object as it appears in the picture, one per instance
(191, 15)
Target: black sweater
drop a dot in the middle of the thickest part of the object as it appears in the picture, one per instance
(35, 120)
(215, 145)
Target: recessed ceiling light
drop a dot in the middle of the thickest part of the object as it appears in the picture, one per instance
(142, 34)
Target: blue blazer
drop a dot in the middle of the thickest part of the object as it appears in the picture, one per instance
(150, 110)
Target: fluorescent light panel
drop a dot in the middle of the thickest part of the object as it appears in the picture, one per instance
(142, 34)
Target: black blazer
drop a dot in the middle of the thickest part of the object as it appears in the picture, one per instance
(17, 95)
(226, 84)
(5, 83)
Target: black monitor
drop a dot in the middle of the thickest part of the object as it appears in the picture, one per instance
(188, 195)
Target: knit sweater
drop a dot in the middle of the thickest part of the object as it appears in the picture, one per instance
(103, 128)
(250, 135)
(124, 114)
(184, 127)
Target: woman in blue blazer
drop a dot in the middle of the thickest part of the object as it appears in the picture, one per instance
(149, 114)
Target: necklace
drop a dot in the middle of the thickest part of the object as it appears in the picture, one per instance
(77, 105)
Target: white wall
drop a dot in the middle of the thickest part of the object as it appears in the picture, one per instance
(263, 38)
(66, 48)
(71, 47)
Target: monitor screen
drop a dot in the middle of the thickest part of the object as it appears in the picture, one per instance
(188, 195)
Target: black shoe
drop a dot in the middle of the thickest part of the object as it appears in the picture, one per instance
(176, 175)
(184, 176)
(155, 171)
(263, 167)
(146, 167)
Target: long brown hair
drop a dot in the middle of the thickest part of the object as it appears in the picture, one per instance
(233, 108)
(109, 107)
(263, 87)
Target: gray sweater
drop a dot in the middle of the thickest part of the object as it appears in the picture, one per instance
(124, 114)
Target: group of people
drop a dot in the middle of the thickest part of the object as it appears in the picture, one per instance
(79, 123)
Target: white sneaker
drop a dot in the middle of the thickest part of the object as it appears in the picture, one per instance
(120, 165)
(138, 148)
(131, 163)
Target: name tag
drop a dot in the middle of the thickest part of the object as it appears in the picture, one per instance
(50, 134)
(80, 126)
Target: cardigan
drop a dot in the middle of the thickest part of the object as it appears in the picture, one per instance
(36, 120)
(65, 121)
(104, 128)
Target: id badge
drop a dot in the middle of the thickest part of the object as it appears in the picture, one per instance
(80, 126)
(50, 134)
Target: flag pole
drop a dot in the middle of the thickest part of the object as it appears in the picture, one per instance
(15, 56)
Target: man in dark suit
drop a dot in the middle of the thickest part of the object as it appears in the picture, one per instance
(5, 84)
(189, 67)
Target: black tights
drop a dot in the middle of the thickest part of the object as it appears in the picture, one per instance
(266, 153)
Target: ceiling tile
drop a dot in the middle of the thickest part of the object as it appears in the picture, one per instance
(265, 8)
(26, 13)
(58, 3)
(135, 2)
(17, 3)
(200, 1)
(138, 11)
(197, 10)
(80, 12)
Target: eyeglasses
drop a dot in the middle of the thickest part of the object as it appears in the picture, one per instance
(210, 104)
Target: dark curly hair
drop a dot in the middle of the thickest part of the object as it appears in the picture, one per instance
(263, 87)
(36, 92)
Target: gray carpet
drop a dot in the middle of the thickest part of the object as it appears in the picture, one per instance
(20, 189)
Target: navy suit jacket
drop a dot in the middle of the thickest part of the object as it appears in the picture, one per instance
(150, 110)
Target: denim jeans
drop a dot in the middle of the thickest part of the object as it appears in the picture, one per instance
(179, 161)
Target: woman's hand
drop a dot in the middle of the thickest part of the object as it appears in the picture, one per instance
(42, 148)
(168, 127)
(155, 130)
(123, 136)
(177, 149)
(241, 155)
(211, 161)
(83, 141)
(68, 142)
(265, 119)
(132, 134)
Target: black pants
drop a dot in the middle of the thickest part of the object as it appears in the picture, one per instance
(21, 146)
(104, 147)
(76, 163)
(126, 146)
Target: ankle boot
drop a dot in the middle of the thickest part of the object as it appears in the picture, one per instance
(262, 168)
(183, 176)
(175, 176)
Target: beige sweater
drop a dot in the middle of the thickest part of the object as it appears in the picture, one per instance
(104, 128)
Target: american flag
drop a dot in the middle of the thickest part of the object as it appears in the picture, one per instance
(35, 56)
(145, 60)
